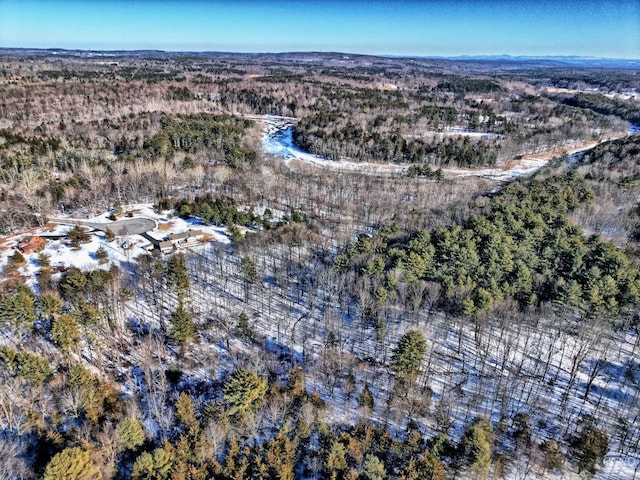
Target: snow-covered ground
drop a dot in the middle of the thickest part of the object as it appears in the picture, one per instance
(121, 250)
(550, 369)
(459, 132)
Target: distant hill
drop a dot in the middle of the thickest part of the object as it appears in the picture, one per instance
(506, 61)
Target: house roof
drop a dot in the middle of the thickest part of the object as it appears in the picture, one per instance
(34, 241)
(178, 236)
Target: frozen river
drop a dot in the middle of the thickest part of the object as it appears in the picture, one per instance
(277, 140)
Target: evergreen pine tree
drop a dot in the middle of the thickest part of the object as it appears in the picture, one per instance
(177, 275)
(17, 309)
(72, 464)
(374, 468)
(476, 446)
(590, 446)
(65, 332)
(407, 356)
(182, 329)
(244, 392)
(130, 433)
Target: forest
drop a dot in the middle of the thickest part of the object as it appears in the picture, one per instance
(409, 323)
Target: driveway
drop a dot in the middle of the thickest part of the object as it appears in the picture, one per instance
(127, 226)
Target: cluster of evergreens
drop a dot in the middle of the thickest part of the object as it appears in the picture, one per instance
(213, 210)
(127, 73)
(522, 246)
(222, 210)
(179, 93)
(463, 85)
(618, 155)
(438, 115)
(425, 171)
(314, 134)
(77, 284)
(466, 153)
(70, 75)
(220, 134)
(35, 145)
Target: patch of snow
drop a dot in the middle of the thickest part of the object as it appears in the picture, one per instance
(121, 251)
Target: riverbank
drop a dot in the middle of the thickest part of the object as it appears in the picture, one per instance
(277, 141)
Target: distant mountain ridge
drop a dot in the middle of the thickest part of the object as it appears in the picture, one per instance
(558, 59)
(504, 59)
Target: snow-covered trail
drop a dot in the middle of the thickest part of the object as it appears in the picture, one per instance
(277, 140)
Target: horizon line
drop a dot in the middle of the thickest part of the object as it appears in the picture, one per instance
(492, 56)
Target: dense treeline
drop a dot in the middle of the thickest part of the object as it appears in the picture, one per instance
(223, 135)
(36, 145)
(314, 134)
(462, 85)
(606, 106)
(384, 124)
(584, 79)
(613, 173)
(522, 246)
(150, 75)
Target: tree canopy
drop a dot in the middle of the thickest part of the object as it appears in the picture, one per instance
(407, 356)
(521, 246)
(244, 392)
(72, 464)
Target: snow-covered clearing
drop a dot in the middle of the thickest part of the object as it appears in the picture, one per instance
(121, 250)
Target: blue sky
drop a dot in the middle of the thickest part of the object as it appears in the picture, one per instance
(605, 28)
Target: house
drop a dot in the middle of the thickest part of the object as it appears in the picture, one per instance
(178, 237)
(32, 244)
(197, 234)
(174, 241)
(166, 246)
(186, 239)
